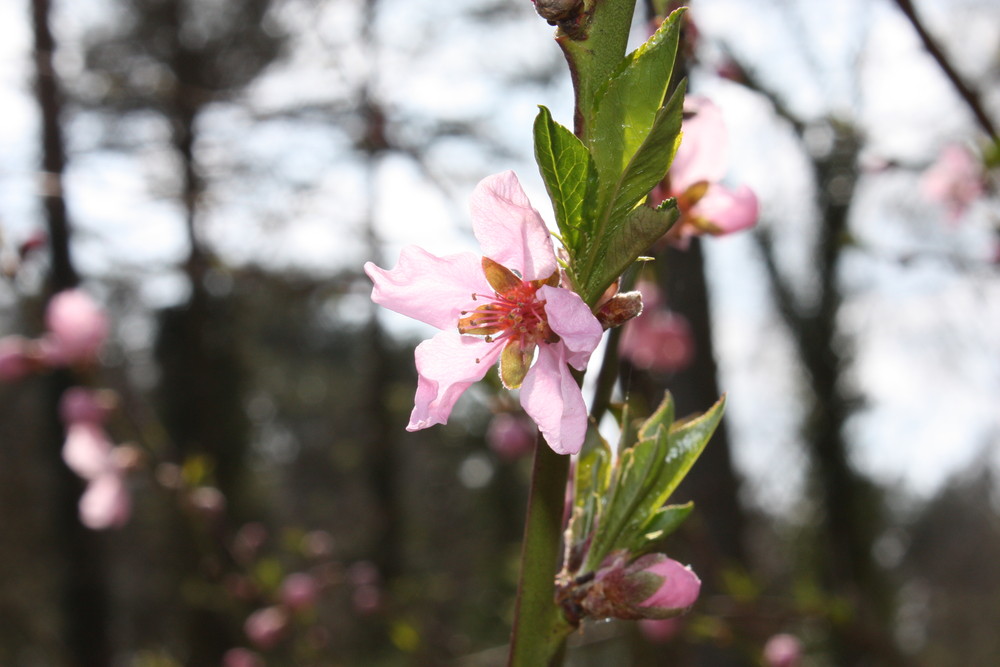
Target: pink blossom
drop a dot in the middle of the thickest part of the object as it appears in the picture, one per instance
(241, 657)
(658, 338)
(90, 453)
(504, 306)
(299, 591)
(783, 650)
(510, 436)
(955, 180)
(77, 328)
(266, 627)
(706, 206)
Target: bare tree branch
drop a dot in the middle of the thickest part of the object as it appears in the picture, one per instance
(965, 90)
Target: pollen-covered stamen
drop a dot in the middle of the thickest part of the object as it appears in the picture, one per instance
(512, 315)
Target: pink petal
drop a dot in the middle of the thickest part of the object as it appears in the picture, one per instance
(428, 288)
(729, 210)
(704, 152)
(106, 502)
(87, 450)
(509, 230)
(573, 320)
(552, 398)
(679, 589)
(447, 365)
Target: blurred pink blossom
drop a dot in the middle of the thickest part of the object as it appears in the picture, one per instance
(955, 180)
(299, 591)
(266, 627)
(89, 452)
(510, 436)
(783, 650)
(502, 307)
(77, 328)
(657, 339)
(706, 206)
(242, 657)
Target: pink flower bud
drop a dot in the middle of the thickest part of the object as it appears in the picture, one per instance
(783, 650)
(299, 591)
(678, 588)
(77, 328)
(653, 586)
(15, 362)
(511, 437)
(242, 657)
(266, 627)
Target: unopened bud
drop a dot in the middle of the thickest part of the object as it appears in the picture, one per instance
(554, 11)
(619, 309)
(652, 586)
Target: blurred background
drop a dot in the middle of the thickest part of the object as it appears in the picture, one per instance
(214, 173)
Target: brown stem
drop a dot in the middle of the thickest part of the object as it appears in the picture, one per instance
(966, 91)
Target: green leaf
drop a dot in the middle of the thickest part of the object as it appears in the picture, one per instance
(647, 474)
(650, 163)
(664, 416)
(659, 525)
(686, 442)
(570, 178)
(627, 104)
(638, 469)
(641, 229)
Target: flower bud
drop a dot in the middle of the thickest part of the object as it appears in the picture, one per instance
(652, 586)
(619, 309)
(557, 10)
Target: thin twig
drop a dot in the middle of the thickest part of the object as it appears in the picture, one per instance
(966, 91)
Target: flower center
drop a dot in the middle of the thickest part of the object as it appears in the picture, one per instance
(512, 316)
(516, 314)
